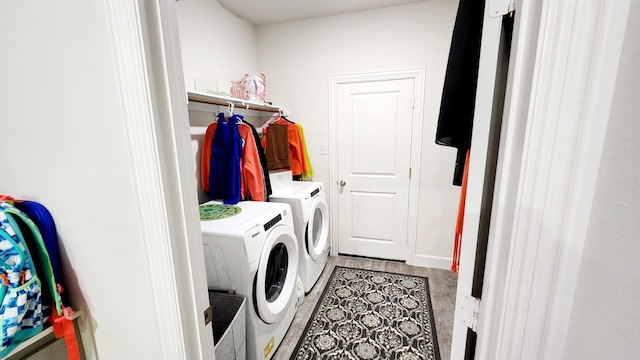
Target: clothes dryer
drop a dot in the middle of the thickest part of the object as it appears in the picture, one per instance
(311, 223)
(255, 253)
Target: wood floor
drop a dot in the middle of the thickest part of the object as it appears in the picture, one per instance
(442, 286)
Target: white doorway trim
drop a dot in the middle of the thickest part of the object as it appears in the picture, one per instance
(556, 116)
(148, 61)
(126, 37)
(416, 146)
(579, 46)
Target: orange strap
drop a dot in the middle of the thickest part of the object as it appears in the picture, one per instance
(63, 327)
(457, 242)
(6, 198)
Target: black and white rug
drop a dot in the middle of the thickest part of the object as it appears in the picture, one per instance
(367, 314)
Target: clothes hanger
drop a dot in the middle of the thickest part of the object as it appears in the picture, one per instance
(230, 108)
(239, 118)
(275, 117)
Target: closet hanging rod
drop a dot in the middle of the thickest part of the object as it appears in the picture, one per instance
(224, 100)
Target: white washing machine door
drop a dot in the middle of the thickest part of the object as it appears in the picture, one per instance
(277, 272)
(317, 229)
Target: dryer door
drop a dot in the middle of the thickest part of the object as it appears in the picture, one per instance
(317, 229)
(277, 272)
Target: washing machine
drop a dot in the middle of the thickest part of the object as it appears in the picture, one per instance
(255, 254)
(311, 224)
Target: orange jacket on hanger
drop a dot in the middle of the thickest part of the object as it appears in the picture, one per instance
(252, 183)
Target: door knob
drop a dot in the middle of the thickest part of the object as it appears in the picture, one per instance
(342, 183)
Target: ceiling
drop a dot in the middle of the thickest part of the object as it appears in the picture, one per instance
(260, 12)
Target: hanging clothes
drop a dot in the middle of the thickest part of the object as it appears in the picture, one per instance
(224, 175)
(457, 242)
(455, 121)
(293, 142)
(277, 148)
(249, 169)
(308, 173)
(263, 161)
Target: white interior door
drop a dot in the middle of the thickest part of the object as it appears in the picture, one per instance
(374, 121)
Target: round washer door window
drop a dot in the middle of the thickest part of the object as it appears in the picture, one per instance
(277, 273)
(317, 231)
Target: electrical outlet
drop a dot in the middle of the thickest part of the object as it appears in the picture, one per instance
(324, 149)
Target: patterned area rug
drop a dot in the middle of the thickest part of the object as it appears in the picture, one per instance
(366, 314)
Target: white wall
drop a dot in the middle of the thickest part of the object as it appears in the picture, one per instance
(64, 145)
(298, 58)
(215, 43)
(605, 320)
(218, 45)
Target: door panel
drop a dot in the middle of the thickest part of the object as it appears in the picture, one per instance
(374, 154)
(366, 206)
(373, 134)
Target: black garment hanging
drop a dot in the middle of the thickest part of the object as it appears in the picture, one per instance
(263, 162)
(459, 93)
(287, 120)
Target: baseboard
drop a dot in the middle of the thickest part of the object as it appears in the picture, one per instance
(436, 262)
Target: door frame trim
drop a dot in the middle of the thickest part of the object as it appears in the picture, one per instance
(541, 227)
(145, 39)
(480, 144)
(126, 33)
(418, 75)
(554, 126)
